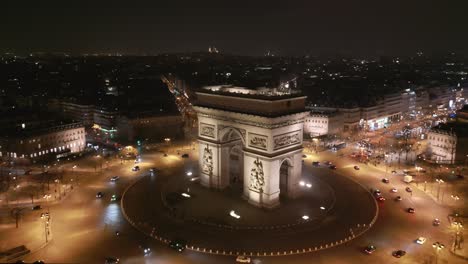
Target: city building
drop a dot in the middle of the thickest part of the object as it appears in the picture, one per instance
(152, 126)
(323, 123)
(42, 140)
(83, 113)
(448, 143)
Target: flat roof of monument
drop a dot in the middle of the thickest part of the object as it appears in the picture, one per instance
(260, 93)
(248, 102)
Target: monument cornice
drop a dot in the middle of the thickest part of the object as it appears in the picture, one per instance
(245, 119)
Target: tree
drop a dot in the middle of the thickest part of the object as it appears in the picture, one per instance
(16, 214)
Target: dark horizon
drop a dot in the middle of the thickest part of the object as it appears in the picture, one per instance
(364, 29)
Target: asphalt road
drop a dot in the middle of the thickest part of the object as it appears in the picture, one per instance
(83, 227)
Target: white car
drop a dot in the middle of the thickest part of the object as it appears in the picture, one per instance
(421, 240)
(243, 259)
(394, 190)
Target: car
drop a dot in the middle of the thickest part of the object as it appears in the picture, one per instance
(304, 156)
(316, 163)
(357, 167)
(36, 207)
(410, 210)
(114, 178)
(146, 250)
(385, 180)
(333, 167)
(399, 253)
(136, 168)
(165, 154)
(461, 177)
(243, 259)
(328, 163)
(39, 262)
(436, 222)
(408, 189)
(370, 249)
(20, 261)
(99, 195)
(178, 245)
(113, 198)
(421, 240)
(152, 170)
(393, 190)
(380, 198)
(185, 155)
(398, 198)
(394, 172)
(376, 192)
(111, 260)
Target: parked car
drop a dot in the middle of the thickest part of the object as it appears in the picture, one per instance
(333, 167)
(408, 189)
(394, 190)
(185, 155)
(243, 259)
(357, 167)
(36, 207)
(421, 240)
(114, 178)
(146, 250)
(370, 249)
(399, 253)
(316, 163)
(398, 198)
(380, 198)
(385, 180)
(436, 222)
(99, 195)
(410, 210)
(178, 245)
(111, 260)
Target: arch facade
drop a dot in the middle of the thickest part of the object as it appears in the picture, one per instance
(266, 144)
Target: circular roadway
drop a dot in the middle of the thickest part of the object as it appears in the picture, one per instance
(349, 209)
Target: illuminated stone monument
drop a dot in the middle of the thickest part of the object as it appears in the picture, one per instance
(253, 137)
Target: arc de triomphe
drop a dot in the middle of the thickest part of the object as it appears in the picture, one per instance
(251, 137)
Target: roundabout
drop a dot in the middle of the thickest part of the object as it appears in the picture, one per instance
(332, 210)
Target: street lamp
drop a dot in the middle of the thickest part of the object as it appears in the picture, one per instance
(438, 247)
(439, 181)
(46, 218)
(47, 196)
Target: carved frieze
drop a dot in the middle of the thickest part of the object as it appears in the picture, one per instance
(207, 130)
(258, 141)
(257, 177)
(286, 140)
(207, 161)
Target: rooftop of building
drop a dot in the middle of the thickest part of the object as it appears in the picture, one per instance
(28, 129)
(459, 128)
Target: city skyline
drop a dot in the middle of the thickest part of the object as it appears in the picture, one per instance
(285, 29)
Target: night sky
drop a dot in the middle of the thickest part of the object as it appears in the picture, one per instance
(348, 27)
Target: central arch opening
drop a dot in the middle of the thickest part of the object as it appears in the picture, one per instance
(283, 179)
(233, 159)
(236, 165)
